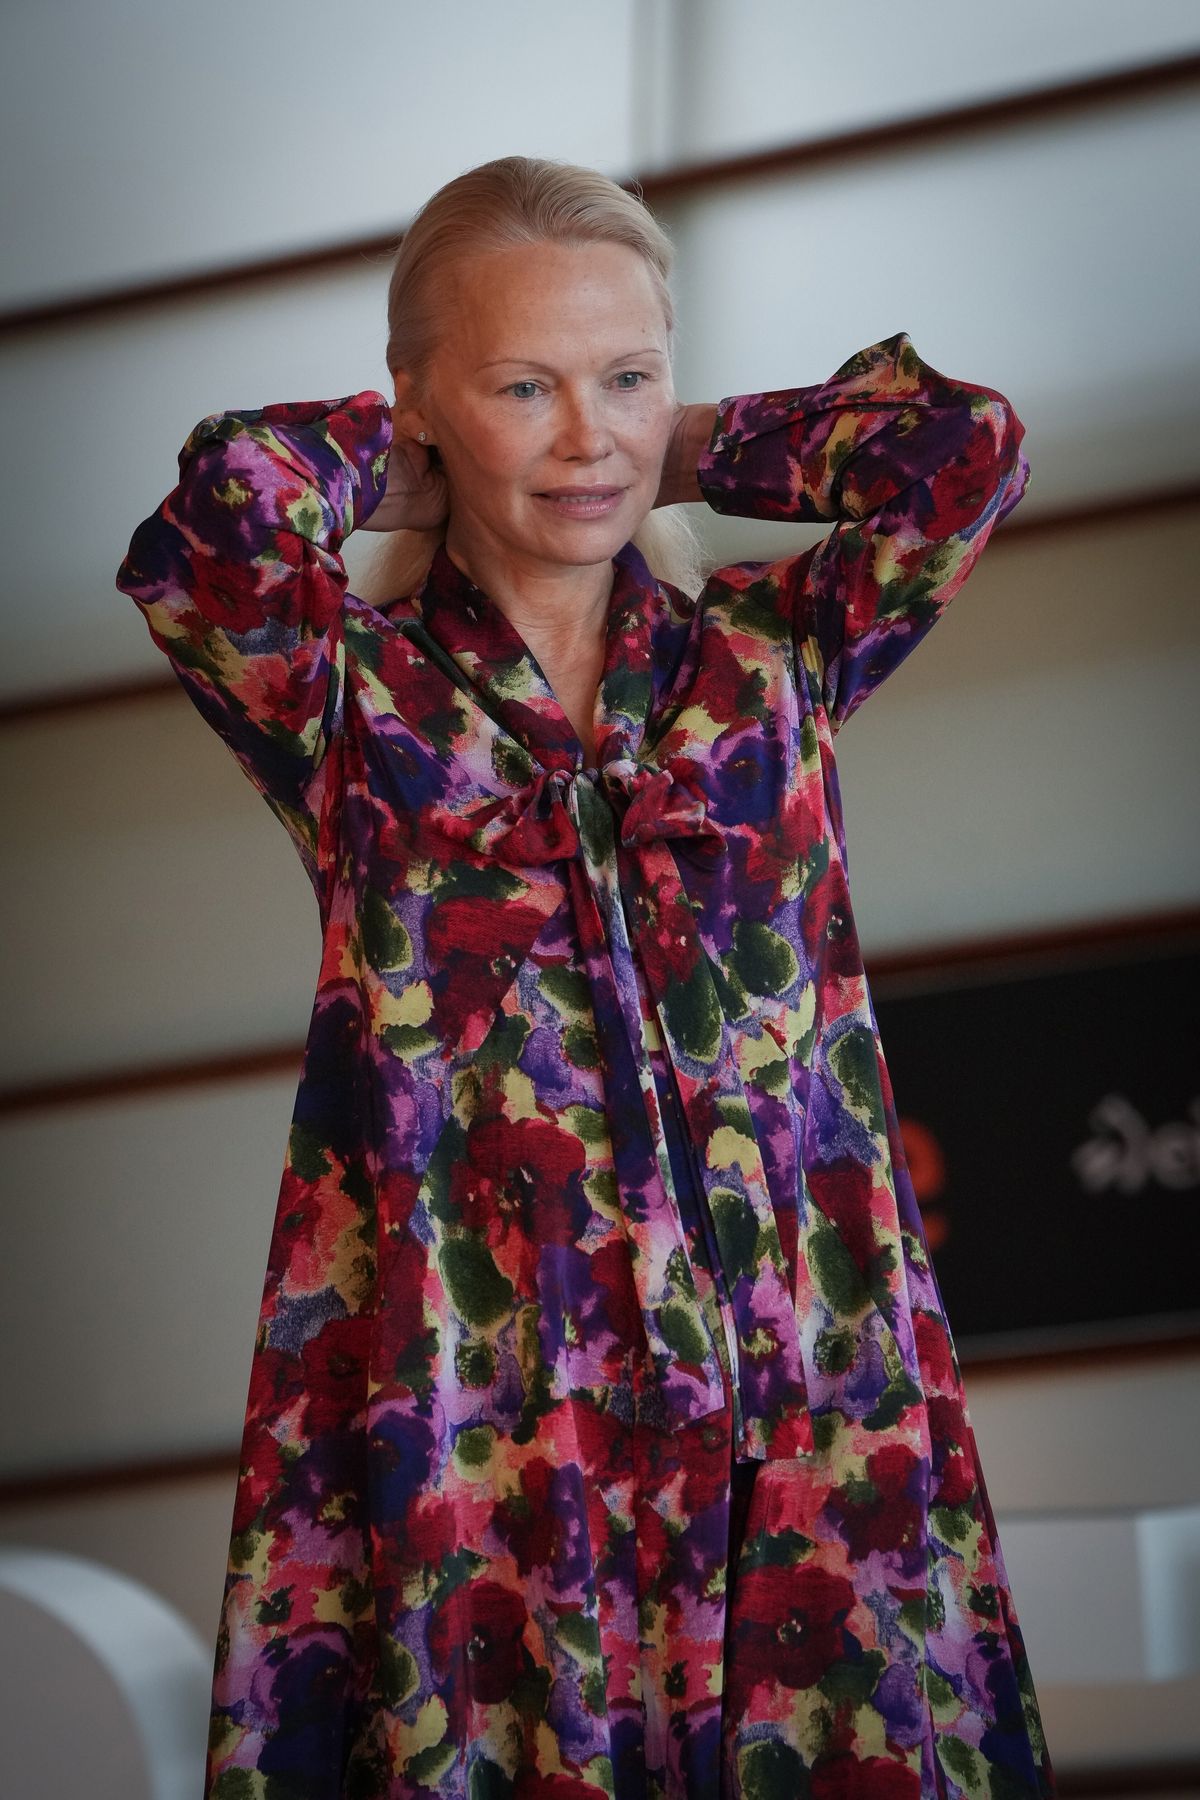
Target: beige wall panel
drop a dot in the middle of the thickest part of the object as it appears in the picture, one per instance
(157, 138)
(1120, 1434)
(768, 71)
(154, 909)
(137, 1236)
(1034, 760)
(1032, 763)
(104, 409)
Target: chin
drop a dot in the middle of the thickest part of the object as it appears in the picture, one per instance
(583, 545)
(592, 535)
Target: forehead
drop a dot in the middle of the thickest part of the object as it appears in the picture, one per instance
(549, 297)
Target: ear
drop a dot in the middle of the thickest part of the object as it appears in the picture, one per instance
(408, 414)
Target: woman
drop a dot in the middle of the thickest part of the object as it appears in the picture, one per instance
(605, 1435)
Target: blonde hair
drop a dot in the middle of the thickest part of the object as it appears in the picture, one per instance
(511, 201)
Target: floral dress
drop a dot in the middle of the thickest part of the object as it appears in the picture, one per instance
(605, 1435)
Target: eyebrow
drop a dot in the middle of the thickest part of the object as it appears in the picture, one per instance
(531, 362)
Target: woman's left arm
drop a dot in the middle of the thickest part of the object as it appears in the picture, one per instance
(915, 470)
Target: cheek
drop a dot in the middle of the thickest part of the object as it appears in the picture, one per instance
(484, 453)
(652, 438)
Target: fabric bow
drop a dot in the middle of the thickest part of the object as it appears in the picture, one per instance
(540, 823)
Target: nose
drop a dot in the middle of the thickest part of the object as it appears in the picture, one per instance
(584, 434)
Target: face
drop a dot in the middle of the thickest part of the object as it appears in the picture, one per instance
(550, 401)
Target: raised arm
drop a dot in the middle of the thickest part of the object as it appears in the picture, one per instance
(239, 576)
(915, 469)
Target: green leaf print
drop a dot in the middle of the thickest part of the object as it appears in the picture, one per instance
(763, 962)
(984, 1600)
(408, 1041)
(398, 1672)
(627, 691)
(835, 1269)
(305, 1154)
(961, 1762)
(474, 1445)
(900, 1393)
(435, 1189)
(276, 1608)
(567, 990)
(681, 1332)
(480, 1293)
(693, 1017)
(853, 1060)
(834, 1352)
(757, 610)
(777, 1549)
(581, 1635)
(475, 1363)
(773, 1771)
(737, 1232)
(487, 1781)
(580, 1047)
(386, 943)
(854, 1682)
(237, 1784)
(427, 1765)
(730, 992)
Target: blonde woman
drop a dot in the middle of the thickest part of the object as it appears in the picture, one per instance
(605, 1437)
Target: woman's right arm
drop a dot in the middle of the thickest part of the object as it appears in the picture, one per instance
(239, 576)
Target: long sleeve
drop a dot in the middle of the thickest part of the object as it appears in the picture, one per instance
(913, 468)
(239, 577)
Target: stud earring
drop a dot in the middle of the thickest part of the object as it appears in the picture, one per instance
(421, 436)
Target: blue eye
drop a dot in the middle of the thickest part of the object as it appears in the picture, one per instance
(630, 378)
(517, 385)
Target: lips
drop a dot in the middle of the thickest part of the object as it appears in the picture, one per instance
(581, 502)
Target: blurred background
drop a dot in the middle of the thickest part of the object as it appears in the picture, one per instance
(197, 214)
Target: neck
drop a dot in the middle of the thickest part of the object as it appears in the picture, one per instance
(566, 604)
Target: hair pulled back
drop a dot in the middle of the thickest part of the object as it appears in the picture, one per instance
(500, 205)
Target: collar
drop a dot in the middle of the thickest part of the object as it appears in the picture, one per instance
(496, 660)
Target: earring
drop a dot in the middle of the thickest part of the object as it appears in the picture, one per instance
(421, 436)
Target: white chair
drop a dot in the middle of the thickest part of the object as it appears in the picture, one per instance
(104, 1688)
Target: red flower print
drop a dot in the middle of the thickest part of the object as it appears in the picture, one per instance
(789, 1624)
(934, 1353)
(889, 1516)
(430, 1531)
(529, 1520)
(843, 1193)
(874, 1778)
(335, 1376)
(611, 1268)
(522, 1168)
(961, 490)
(479, 1627)
(954, 1478)
(261, 1474)
(478, 927)
(531, 1786)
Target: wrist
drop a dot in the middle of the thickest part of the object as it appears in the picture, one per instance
(692, 435)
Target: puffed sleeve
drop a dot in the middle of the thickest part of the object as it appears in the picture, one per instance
(914, 468)
(239, 577)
